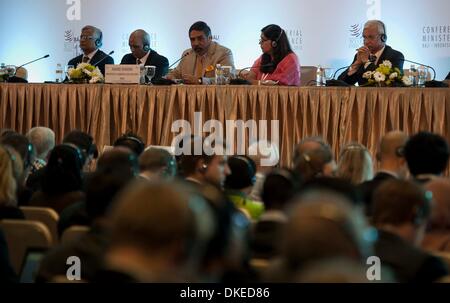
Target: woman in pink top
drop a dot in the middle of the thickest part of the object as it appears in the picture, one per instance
(278, 62)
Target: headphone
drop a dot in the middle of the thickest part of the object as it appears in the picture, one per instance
(250, 167)
(275, 42)
(146, 47)
(422, 212)
(81, 158)
(400, 151)
(383, 36)
(98, 41)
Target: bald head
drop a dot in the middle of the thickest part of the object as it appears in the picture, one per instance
(139, 43)
(391, 142)
(43, 139)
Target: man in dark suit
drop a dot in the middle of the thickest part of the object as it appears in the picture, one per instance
(401, 213)
(373, 53)
(392, 165)
(143, 55)
(90, 42)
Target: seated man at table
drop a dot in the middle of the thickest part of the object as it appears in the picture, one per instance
(143, 55)
(198, 64)
(371, 54)
(90, 43)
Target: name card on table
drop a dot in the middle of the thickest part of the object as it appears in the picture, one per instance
(122, 73)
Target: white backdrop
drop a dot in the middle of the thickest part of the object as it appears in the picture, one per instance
(322, 32)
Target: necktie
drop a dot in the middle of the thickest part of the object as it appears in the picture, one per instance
(85, 59)
(199, 67)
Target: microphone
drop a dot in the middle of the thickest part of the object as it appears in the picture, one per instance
(335, 82)
(184, 55)
(241, 81)
(106, 56)
(46, 56)
(431, 83)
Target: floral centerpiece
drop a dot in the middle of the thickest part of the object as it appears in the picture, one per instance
(84, 73)
(386, 75)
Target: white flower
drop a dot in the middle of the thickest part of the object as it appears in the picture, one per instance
(393, 76)
(95, 80)
(379, 77)
(367, 75)
(87, 72)
(387, 63)
(82, 66)
(406, 81)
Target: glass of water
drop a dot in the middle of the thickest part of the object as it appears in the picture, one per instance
(227, 73)
(422, 75)
(150, 71)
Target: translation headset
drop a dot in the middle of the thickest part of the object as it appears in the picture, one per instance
(422, 212)
(383, 36)
(250, 168)
(98, 41)
(81, 158)
(275, 42)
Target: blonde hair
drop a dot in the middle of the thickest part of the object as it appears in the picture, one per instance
(8, 171)
(355, 164)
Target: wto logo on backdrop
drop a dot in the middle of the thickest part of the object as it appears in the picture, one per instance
(355, 30)
(435, 36)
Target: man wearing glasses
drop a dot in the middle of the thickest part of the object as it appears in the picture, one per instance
(371, 54)
(198, 64)
(90, 42)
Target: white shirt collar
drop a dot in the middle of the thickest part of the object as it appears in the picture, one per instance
(91, 55)
(144, 59)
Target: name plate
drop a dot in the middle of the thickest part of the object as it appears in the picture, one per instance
(122, 73)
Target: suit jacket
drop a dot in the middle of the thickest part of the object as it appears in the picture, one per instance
(99, 55)
(409, 263)
(396, 58)
(368, 188)
(160, 62)
(217, 54)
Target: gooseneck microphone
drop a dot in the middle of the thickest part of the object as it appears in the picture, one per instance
(184, 55)
(43, 57)
(104, 57)
(434, 71)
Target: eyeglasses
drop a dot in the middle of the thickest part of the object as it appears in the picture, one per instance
(261, 40)
(82, 37)
(371, 37)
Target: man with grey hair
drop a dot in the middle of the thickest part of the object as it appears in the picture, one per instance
(142, 54)
(43, 140)
(91, 39)
(371, 54)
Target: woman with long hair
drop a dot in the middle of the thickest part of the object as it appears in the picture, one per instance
(278, 62)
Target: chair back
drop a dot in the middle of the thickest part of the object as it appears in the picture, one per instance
(307, 75)
(73, 233)
(45, 215)
(21, 235)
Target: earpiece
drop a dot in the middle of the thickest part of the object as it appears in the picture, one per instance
(146, 48)
(383, 36)
(275, 42)
(423, 211)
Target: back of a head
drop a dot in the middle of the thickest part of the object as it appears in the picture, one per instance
(118, 161)
(101, 188)
(355, 164)
(338, 185)
(243, 173)
(440, 214)
(22, 145)
(310, 159)
(426, 153)
(279, 187)
(8, 183)
(131, 141)
(43, 139)
(397, 202)
(83, 141)
(151, 217)
(63, 172)
(154, 159)
(392, 144)
(323, 225)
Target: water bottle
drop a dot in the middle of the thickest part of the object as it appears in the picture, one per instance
(219, 74)
(319, 76)
(59, 73)
(413, 75)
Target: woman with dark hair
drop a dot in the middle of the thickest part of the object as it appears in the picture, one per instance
(62, 180)
(278, 62)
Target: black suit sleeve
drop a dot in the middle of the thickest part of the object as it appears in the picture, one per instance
(353, 78)
(163, 67)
